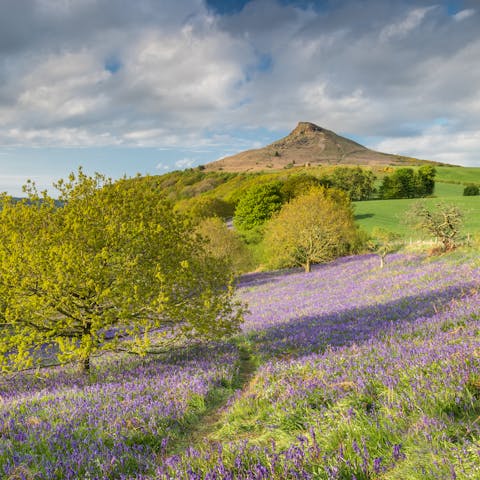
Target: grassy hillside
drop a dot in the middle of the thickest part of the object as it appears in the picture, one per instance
(462, 175)
(182, 186)
(348, 372)
(388, 214)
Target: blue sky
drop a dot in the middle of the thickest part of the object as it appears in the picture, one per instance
(156, 85)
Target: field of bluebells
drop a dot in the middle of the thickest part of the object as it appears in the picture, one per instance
(363, 373)
(63, 425)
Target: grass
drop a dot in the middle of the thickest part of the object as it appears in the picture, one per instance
(351, 371)
(388, 214)
(462, 175)
(401, 402)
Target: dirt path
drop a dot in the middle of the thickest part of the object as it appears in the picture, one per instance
(211, 420)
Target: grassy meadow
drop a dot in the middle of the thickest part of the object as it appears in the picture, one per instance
(389, 214)
(351, 371)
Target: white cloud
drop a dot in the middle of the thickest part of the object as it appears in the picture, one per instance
(185, 163)
(184, 77)
(162, 166)
(438, 144)
(464, 14)
(403, 27)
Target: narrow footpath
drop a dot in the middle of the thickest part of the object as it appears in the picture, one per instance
(211, 420)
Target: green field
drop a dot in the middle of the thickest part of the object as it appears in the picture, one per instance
(461, 175)
(388, 214)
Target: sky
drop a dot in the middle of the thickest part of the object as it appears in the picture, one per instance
(148, 86)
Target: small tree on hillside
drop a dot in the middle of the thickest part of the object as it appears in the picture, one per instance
(257, 205)
(313, 228)
(443, 222)
(383, 242)
(102, 271)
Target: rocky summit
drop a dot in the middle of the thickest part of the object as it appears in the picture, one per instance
(308, 144)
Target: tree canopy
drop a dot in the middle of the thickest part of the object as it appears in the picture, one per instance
(312, 228)
(225, 244)
(101, 271)
(257, 205)
(408, 183)
(358, 182)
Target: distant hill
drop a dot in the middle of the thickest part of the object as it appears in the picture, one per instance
(309, 144)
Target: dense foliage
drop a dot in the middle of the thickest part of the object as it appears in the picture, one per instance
(257, 205)
(113, 261)
(408, 183)
(358, 182)
(296, 185)
(471, 190)
(312, 228)
(225, 244)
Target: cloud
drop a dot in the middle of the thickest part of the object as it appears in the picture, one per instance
(399, 29)
(439, 144)
(99, 73)
(464, 14)
(185, 163)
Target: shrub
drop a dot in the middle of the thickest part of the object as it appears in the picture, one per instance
(471, 190)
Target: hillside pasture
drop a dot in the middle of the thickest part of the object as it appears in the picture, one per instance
(361, 372)
(364, 373)
(459, 175)
(389, 214)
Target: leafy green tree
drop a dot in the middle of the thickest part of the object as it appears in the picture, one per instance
(296, 185)
(400, 184)
(102, 271)
(225, 244)
(257, 205)
(443, 222)
(383, 242)
(426, 180)
(471, 190)
(358, 182)
(313, 228)
(406, 183)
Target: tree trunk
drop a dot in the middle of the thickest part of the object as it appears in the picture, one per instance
(307, 266)
(382, 261)
(85, 365)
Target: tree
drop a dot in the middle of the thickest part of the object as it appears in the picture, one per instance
(442, 222)
(383, 242)
(257, 205)
(296, 185)
(225, 244)
(357, 182)
(313, 228)
(102, 271)
(400, 184)
(406, 183)
(426, 180)
(204, 207)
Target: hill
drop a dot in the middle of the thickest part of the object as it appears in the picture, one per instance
(349, 372)
(308, 144)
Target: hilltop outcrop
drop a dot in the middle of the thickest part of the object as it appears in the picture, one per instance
(308, 144)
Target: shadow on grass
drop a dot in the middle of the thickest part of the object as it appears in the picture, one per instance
(312, 334)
